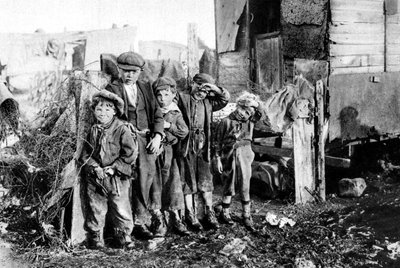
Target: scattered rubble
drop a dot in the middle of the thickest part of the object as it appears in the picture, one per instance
(352, 187)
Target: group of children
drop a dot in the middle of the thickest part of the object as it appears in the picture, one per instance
(162, 139)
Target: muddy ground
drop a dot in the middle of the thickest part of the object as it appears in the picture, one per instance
(351, 232)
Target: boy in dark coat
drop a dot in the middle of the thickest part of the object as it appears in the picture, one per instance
(143, 112)
(108, 156)
(197, 106)
(168, 185)
(233, 137)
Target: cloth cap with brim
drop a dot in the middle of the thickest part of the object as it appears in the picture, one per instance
(118, 102)
(163, 83)
(202, 78)
(130, 61)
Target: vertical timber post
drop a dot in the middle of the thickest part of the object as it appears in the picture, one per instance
(303, 136)
(320, 154)
(193, 51)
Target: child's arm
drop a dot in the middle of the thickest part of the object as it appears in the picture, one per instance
(127, 154)
(179, 129)
(86, 158)
(219, 96)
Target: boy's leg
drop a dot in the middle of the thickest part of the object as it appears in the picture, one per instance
(146, 167)
(245, 155)
(157, 219)
(191, 217)
(228, 175)
(225, 216)
(121, 212)
(95, 216)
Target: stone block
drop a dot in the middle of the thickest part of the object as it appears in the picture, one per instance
(352, 187)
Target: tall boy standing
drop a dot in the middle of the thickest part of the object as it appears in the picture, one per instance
(143, 112)
(197, 107)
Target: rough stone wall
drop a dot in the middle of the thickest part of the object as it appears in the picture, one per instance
(304, 28)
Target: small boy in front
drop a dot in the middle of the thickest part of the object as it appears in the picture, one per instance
(167, 188)
(234, 155)
(108, 156)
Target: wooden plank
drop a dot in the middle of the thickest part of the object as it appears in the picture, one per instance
(355, 38)
(304, 164)
(193, 51)
(337, 161)
(393, 19)
(357, 4)
(393, 38)
(321, 140)
(392, 49)
(393, 68)
(227, 13)
(270, 150)
(357, 61)
(356, 28)
(393, 60)
(339, 15)
(346, 50)
(357, 70)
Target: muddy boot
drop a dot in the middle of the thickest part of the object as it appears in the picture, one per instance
(123, 240)
(178, 226)
(142, 232)
(193, 222)
(247, 220)
(157, 224)
(94, 241)
(225, 216)
(210, 219)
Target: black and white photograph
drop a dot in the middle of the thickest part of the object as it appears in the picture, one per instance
(200, 133)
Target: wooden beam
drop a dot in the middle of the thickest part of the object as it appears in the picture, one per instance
(304, 161)
(347, 50)
(320, 154)
(337, 161)
(359, 28)
(356, 38)
(357, 70)
(270, 150)
(357, 61)
(193, 51)
(348, 15)
(374, 5)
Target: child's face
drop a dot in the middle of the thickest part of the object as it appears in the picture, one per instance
(130, 77)
(104, 112)
(165, 97)
(197, 93)
(244, 114)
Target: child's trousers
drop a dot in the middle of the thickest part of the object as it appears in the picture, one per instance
(237, 171)
(116, 202)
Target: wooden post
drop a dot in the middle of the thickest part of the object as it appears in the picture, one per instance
(303, 136)
(193, 51)
(320, 154)
(91, 83)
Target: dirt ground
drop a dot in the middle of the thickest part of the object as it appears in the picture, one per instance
(352, 232)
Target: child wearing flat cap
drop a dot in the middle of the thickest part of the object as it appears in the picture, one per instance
(204, 97)
(143, 112)
(232, 143)
(108, 156)
(168, 184)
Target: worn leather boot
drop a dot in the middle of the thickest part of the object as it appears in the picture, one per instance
(157, 225)
(94, 241)
(248, 223)
(225, 217)
(193, 222)
(211, 220)
(178, 226)
(142, 232)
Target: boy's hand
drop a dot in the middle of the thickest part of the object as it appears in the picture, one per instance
(109, 171)
(100, 173)
(219, 165)
(154, 145)
(211, 88)
(167, 124)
